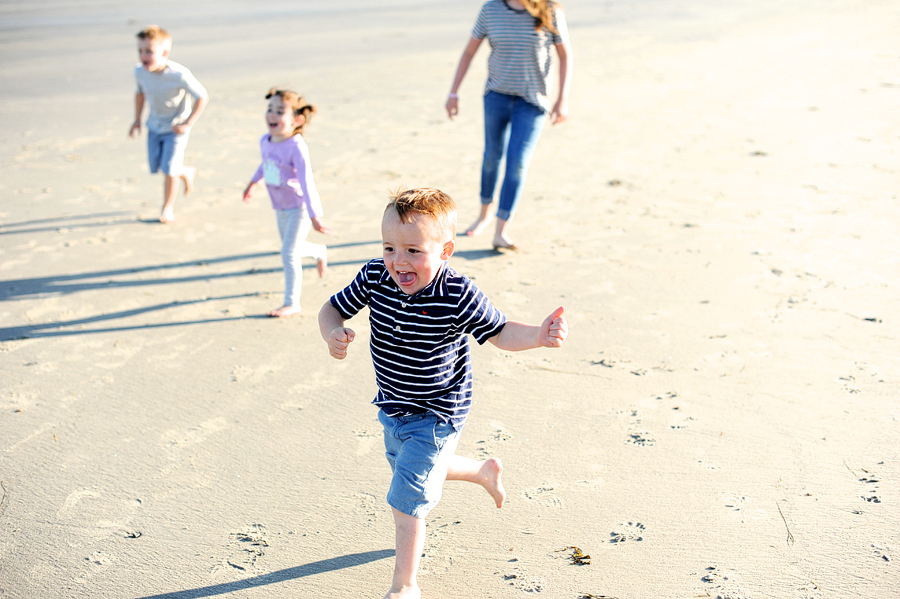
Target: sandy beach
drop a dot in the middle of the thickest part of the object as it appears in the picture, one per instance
(719, 216)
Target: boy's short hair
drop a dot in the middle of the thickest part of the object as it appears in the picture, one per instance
(429, 201)
(157, 34)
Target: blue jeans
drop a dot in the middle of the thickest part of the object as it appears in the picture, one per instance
(512, 127)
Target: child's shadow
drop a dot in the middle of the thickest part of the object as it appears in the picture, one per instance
(319, 567)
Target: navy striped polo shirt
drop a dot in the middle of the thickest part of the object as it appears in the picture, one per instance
(419, 343)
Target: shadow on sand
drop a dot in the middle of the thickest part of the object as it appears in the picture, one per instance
(320, 567)
(197, 270)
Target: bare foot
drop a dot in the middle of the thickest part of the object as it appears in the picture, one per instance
(322, 266)
(489, 475)
(478, 226)
(284, 311)
(187, 175)
(405, 593)
(167, 216)
(505, 243)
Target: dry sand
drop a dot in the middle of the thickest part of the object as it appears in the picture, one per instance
(720, 217)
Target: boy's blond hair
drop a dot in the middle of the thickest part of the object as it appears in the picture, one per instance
(157, 34)
(430, 202)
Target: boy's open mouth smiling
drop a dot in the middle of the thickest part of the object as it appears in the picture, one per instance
(406, 278)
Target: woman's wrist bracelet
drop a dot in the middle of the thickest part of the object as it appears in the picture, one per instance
(452, 96)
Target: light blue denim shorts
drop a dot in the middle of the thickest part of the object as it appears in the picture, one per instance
(418, 448)
(165, 152)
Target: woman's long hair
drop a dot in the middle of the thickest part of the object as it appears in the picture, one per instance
(542, 11)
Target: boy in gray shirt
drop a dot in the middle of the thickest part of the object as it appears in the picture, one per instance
(167, 88)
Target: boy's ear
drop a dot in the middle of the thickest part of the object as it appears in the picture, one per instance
(448, 250)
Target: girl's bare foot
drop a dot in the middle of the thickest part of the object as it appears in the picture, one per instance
(284, 311)
(187, 176)
(322, 266)
(404, 593)
(489, 474)
(167, 216)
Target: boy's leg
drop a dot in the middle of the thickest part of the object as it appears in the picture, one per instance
(169, 191)
(410, 539)
(172, 166)
(187, 177)
(487, 474)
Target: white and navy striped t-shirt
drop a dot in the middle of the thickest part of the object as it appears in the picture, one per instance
(419, 343)
(521, 60)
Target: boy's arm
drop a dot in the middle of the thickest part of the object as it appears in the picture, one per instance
(518, 336)
(138, 110)
(196, 111)
(335, 334)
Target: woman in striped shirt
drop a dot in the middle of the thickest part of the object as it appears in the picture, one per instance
(521, 34)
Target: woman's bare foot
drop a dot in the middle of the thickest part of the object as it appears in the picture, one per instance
(489, 475)
(284, 311)
(187, 176)
(322, 267)
(167, 216)
(484, 219)
(505, 243)
(478, 226)
(404, 593)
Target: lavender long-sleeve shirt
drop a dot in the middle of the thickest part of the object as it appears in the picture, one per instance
(288, 174)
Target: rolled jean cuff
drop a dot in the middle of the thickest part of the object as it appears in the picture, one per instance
(487, 201)
(504, 214)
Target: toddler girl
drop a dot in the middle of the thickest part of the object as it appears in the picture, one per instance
(288, 175)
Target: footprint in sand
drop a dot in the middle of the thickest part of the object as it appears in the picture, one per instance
(642, 438)
(523, 581)
(437, 531)
(487, 447)
(369, 505)
(871, 481)
(882, 553)
(627, 531)
(247, 547)
(544, 495)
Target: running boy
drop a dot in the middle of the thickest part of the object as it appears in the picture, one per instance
(167, 87)
(421, 311)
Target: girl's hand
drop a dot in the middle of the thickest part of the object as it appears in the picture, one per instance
(248, 193)
(320, 226)
(554, 329)
(560, 112)
(338, 342)
(182, 128)
(452, 107)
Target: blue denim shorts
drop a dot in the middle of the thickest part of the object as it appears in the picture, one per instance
(418, 448)
(165, 152)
